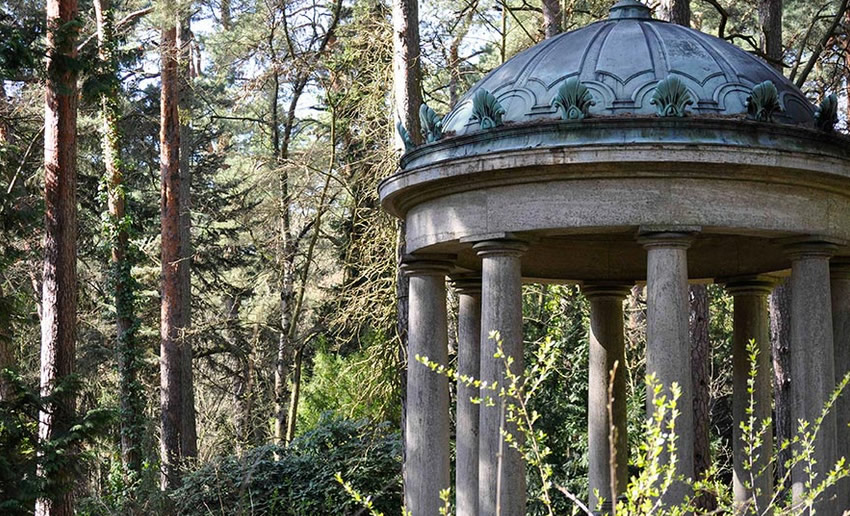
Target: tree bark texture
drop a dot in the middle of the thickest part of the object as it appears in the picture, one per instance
(701, 377)
(847, 67)
(59, 286)
(770, 21)
(7, 352)
(407, 90)
(286, 262)
(126, 348)
(676, 11)
(226, 20)
(454, 57)
(552, 18)
(188, 432)
(171, 316)
(406, 66)
(780, 346)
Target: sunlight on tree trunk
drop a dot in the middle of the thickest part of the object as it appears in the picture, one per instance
(171, 317)
(59, 286)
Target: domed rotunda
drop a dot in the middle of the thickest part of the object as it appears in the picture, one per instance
(629, 151)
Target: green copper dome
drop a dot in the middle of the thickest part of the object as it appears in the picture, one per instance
(618, 67)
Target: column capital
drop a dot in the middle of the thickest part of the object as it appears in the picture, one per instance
(750, 285)
(500, 247)
(593, 290)
(467, 283)
(427, 264)
(667, 236)
(810, 246)
(839, 267)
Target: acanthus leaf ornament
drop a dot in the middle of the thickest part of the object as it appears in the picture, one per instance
(431, 124)
(573, 99)
(763, 102)
(486, 110)
(671, 97)
(405, 137)
(826, 114)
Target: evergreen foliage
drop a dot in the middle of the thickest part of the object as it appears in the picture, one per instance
(301, 481)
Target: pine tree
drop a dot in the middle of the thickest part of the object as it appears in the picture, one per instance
(171, 316)
(59, 287)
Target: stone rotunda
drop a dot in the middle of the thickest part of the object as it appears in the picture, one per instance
(628, 151)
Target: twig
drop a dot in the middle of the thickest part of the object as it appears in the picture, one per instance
(133, 16)
(821, 45)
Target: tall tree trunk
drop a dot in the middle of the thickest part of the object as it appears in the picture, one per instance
(59, 287)
(847, 68)
(7, 353)
(188, 433)
(295, 395)
(226, 20)
(407, 90)
(171, 317)
(243, 375)
(552, 18)
(676, 11)
(454, 56)
(127, 351)
(780, 348)
(770, 20)
(286, 261)
(700, 378)
(407, 85)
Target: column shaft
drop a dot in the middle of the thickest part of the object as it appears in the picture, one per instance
(752, 485)
(427, 420)
(812, 362)
(840, 291)
(668, 350)
(469, 366)
(501, 472)
(607, 347)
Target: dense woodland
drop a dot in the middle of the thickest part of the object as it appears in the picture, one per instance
(198, 289)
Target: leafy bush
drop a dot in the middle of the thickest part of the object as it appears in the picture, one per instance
(21, 452)
(299, 479)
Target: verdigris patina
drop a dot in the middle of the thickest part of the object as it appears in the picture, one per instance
(752, 184)
(431, 123)
(671, 97)
(405, 137)
(826, 114)
(763, 103)
(486, 110)
(573, 99)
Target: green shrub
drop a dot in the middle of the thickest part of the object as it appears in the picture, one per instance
(299, 480)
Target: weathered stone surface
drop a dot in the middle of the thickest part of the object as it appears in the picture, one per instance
(607, 347)
(840, 291)
(751, 322)
(501, 310)
(426, 436)
(469, 366)
(668, 354)
(812, 359)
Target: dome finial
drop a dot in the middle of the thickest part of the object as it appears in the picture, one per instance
(629, 9)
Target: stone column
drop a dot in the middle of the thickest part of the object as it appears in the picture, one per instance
(812, 358)
(426, 436)
(840, 289)
(607, 347)
(468, 366)
(668, 348)
(501, 472)
(751, 322)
